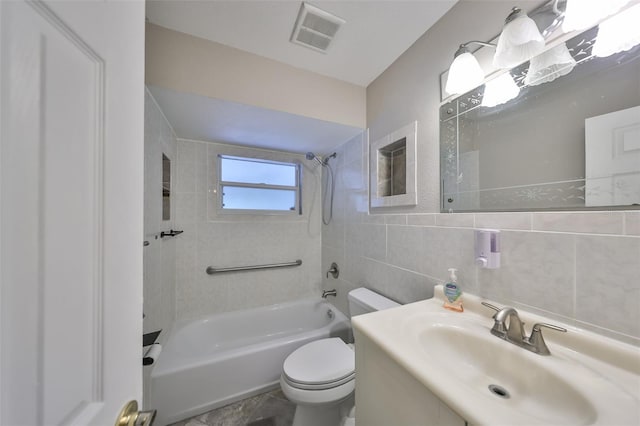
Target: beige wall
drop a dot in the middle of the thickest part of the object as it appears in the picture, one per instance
(189, 64)
(580, 268)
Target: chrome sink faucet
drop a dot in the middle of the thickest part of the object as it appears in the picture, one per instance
(513, 332)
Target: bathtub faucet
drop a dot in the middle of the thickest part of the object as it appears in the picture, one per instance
(327, 293)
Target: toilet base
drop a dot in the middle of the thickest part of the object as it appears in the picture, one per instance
(323, 415)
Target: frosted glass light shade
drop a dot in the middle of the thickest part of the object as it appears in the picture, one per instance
(582, 14)
(618, 33)
(520, 41)
(549, 65)
(465, 73)
(500, 90)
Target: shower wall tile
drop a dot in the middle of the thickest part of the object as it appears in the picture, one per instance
(519, 221)
(421, 219)
(367, 240)
(632, 223)
(407, 249)
(455, 220)
(536, 269)
(450, 248)
(395, 219)
(222, 239)
(608, 284)
(352, 176)
(586, 222)
(186, 179)
(355, 150)
(159, 257)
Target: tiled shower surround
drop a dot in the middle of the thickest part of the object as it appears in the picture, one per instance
(582, 268)
(219, 239)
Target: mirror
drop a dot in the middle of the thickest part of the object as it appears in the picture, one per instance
(571, 143)
(393, 168)
(166, 188)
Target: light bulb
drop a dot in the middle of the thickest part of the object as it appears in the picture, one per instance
(582, 14)
(519, 41)
(618, 33)
(549, 65)
(500, 90)
(465, 73)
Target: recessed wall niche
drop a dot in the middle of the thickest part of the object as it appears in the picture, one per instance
(393, 168)
(166, 188)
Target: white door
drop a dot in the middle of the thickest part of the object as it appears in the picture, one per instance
(612, 155)
(71, 182)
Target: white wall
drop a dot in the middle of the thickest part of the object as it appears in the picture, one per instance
(222, 240)
(579, 267)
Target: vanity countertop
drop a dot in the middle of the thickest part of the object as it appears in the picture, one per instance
(587, 379)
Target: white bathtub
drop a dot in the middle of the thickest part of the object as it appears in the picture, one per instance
(216, 360)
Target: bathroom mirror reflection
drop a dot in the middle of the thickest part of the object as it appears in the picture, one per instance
(166, 188)
(570, 143)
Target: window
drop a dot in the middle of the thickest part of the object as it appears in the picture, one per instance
(249, 184)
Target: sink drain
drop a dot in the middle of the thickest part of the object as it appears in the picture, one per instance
(499, 391)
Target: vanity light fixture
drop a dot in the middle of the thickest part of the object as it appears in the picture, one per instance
(582, 14)
(519, 41)
(549, 65)
(500, 90)
(465, 72)
(618, 33)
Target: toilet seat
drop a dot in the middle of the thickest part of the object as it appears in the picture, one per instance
(323, 364)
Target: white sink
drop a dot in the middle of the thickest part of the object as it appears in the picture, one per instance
(587, 380)
(485, 364)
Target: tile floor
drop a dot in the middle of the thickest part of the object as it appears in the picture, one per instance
(267, 409)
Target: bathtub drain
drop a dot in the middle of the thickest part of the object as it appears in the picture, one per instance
(330, 313)
(499, 391)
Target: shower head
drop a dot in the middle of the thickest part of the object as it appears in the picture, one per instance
(312, 156)
(323, 162)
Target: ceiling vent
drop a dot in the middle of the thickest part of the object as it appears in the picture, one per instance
(315, 28)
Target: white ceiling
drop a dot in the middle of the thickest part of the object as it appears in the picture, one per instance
(375, 34)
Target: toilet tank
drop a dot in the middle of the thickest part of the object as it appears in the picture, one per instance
(362, 300)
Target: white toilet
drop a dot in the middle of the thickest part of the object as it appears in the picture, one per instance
(320, 376)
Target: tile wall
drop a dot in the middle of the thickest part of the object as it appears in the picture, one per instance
(160, 255)
(223, 240)
(582, 268)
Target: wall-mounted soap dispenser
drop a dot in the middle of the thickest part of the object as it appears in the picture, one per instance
(488, 248)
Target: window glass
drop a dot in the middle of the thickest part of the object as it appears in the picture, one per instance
(248, 184)
(242, 198)
(250, 171)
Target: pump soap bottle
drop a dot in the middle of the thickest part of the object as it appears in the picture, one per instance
(452, 292)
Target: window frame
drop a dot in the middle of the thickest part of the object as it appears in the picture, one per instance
(297, 188)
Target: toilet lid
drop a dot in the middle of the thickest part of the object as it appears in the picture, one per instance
(322, 361)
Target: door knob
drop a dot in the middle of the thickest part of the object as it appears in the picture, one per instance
(130, 416)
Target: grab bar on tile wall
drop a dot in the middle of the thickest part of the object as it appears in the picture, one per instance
(211, 270)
